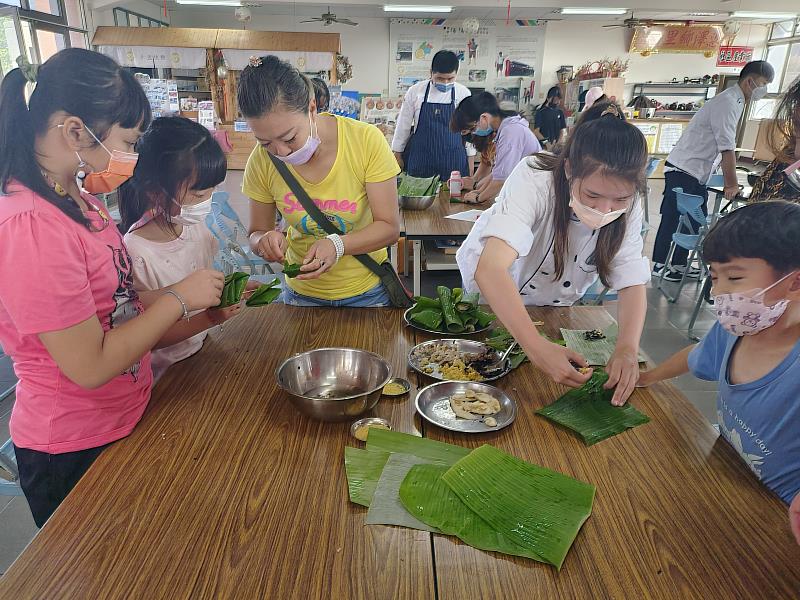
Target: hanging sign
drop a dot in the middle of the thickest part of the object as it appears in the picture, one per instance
(688, 39)
(734, 56)
(156, 56)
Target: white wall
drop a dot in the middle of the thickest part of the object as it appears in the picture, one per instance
(574, 43)
(367, 45)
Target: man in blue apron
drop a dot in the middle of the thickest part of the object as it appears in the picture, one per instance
(423, 142)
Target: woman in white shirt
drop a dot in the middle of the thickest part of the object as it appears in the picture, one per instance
(560, 223)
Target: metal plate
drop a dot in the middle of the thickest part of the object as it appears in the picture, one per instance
(469, 346)
(433, 405)
(411, 323)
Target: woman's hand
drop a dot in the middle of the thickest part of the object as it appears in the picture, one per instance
(470, 197)
(794, 517)
(200, 290)
(270, 246)
(467, 183)
(557, 362)
(219, 315)
(320, 259)
(623, 373)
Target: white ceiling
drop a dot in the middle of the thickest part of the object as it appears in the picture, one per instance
(527, 9)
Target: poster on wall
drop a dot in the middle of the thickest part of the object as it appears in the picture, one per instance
(495, 57)
(650, 132)
(382, 112)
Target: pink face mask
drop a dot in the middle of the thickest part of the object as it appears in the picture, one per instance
(592, 218)
(744, 313)
(304, 154)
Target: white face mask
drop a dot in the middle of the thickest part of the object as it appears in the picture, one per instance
(744, 313)
(593, 218)
(758, 93)
(193, 214)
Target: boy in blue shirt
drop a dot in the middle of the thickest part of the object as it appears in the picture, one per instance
(753, 351)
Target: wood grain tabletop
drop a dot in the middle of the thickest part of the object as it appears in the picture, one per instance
(431, 223)
(225, 491)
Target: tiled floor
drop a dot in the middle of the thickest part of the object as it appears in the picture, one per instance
(664, 334)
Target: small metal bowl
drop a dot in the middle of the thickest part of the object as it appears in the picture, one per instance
(400, 381)
(334, 384)
(366, 423)
(416, 202)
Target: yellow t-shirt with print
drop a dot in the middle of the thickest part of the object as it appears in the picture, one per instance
(363, 156)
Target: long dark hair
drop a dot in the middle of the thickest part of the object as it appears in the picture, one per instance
(175, 155)
(471, 108)
(81, 83)
(607, 143)
(786, 126)
(269, 82)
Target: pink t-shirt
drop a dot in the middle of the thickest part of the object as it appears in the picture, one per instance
(55, 273)
(157, 265)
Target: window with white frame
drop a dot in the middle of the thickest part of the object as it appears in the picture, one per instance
(783, 53)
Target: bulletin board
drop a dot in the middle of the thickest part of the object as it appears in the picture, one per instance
(495, 55)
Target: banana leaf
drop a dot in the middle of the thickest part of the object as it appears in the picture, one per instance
(265, 294)
(484, 318)
(588, 412)
(458, 293)
(233, 289)
(421, 303)
(417, 186)
(363, 469)
(429, 499)
(451, 319)
(290, 270)
(467, 302)
(432, 188)
(500, 340)
(535, 508)
(430, 318)
(385, 507)
(385, 440)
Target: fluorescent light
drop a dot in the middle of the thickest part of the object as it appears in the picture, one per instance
(416, 8)
(702, 14)
(746, 14)
(211, 2)
(588, 10)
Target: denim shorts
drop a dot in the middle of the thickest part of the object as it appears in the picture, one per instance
(377, 297)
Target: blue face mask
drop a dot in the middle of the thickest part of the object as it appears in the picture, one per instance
(483, 132)
(444, 87)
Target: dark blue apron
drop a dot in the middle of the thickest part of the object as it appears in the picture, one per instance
(433, 148)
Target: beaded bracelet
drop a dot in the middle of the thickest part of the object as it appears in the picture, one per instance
(338, 243)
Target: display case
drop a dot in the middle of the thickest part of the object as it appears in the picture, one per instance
(684, 93)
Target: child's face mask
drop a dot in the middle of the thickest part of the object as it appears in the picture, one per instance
(744, 313)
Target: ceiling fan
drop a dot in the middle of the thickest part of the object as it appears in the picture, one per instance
(632, 23)
(329, 18)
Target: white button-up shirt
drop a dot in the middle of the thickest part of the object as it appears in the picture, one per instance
(711, 132)
(412, 103)
(523, 218)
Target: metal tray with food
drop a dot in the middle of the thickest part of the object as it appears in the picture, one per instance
(457, 360)
(466, 406)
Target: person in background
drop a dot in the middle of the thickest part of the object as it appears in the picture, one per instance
(753, 350)
(321, 94)
(560, 223)
(549, 121)
(709, 138)
(481, 116)
(485, 147)
(163, 208)
(344, 165)
(594, 94)
(75, 328)
(422, 143)
(785, 143)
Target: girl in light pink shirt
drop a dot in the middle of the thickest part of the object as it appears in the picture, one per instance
(78, 333)
(163, 208)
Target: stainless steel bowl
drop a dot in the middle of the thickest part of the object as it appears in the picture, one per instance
(334, 384)
(416, 202)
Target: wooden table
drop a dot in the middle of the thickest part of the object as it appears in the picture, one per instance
(431, 225)
(225, 491)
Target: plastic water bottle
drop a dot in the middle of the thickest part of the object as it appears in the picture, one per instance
(455, 184)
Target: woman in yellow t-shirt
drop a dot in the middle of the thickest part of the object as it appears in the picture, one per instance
(345, 166)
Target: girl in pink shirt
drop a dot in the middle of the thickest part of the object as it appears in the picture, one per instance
(163, 207)
(78, 333)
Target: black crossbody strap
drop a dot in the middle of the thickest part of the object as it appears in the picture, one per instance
(315, 213)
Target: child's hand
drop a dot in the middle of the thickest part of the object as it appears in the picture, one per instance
(200, 290)
(794, 517)
(219, 315)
